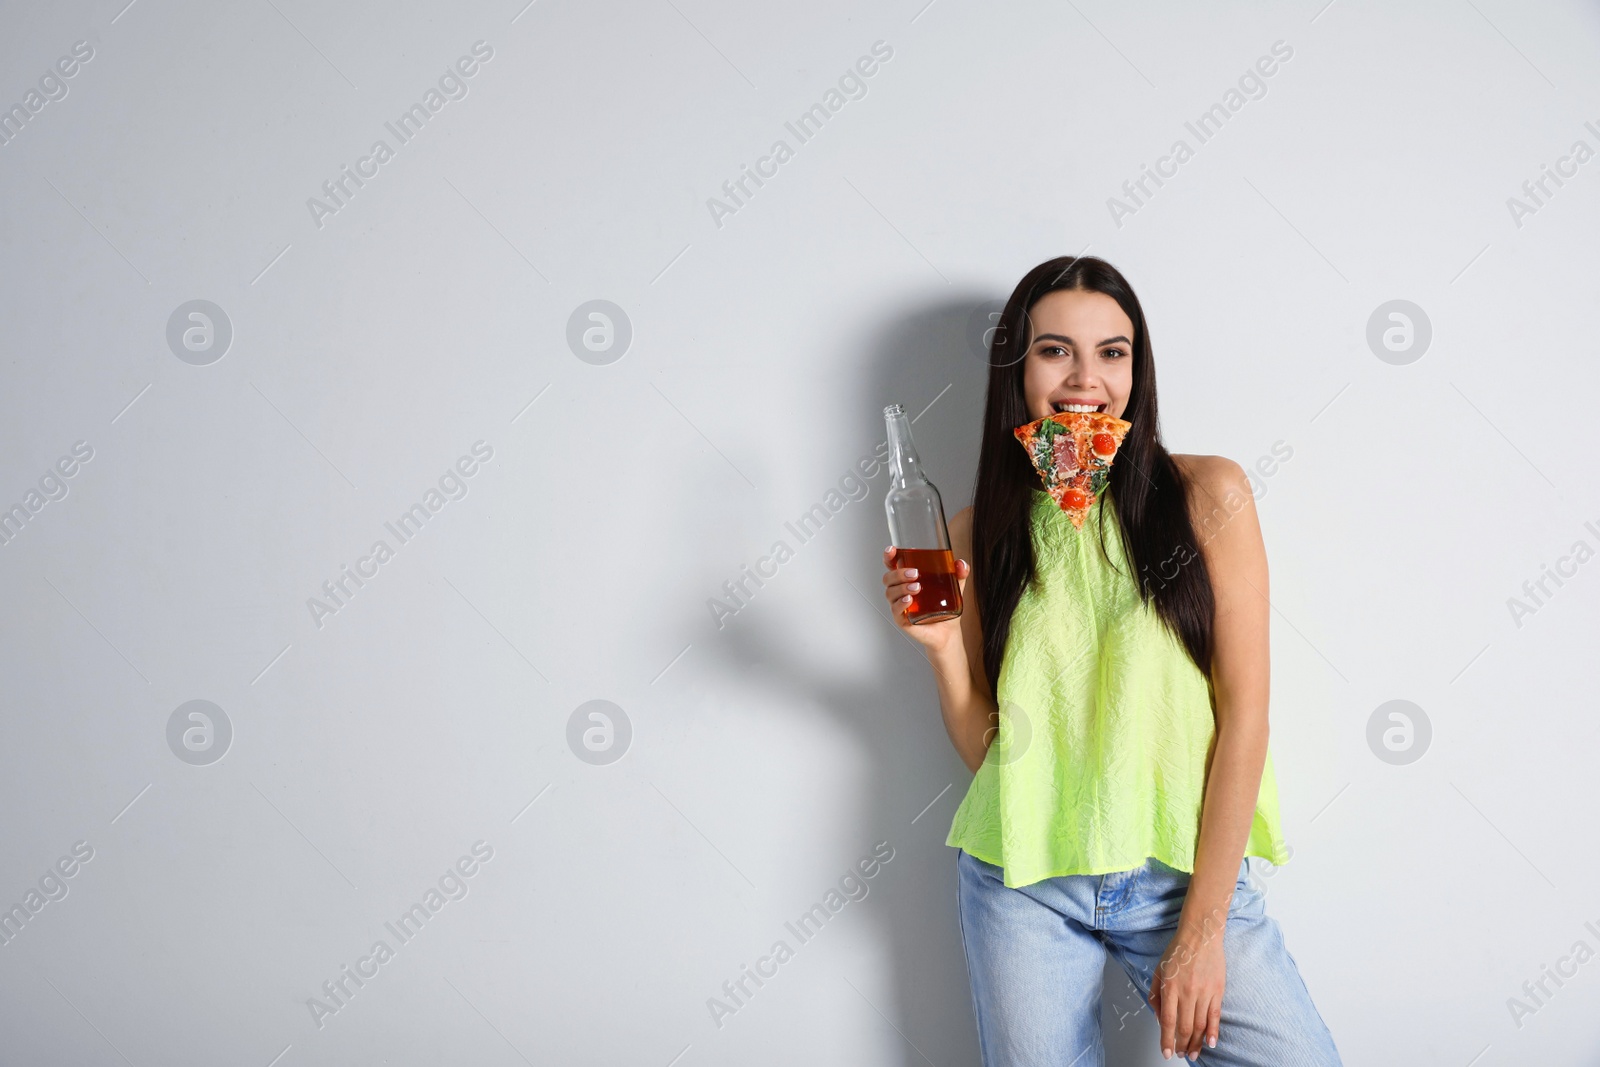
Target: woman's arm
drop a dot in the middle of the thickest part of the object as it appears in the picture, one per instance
(1193, 969)
(954, 648)
(1230, 541)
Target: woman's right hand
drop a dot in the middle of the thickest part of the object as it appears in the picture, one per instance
(899, 585)
(953, 647)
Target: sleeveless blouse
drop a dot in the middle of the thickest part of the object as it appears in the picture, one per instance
(1106, 724)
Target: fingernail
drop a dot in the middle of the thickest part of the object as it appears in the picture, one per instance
(1211, 1041)
(911, 572)
(1166, 1054)
(915, 587)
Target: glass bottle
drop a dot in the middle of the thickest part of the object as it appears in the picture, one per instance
(917, 530)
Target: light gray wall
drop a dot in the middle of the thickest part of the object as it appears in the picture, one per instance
(766, 753)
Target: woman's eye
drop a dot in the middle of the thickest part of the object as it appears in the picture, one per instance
(1114, 352)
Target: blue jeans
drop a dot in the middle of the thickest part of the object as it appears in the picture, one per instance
(1035, 957)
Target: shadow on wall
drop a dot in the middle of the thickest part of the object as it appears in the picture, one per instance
(895, 717)
(935, 355)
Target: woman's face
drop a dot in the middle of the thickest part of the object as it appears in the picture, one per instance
(1082, 352)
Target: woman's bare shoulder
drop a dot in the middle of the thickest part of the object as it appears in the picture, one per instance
(1216, 481)
(1211, 473)
(961, 534)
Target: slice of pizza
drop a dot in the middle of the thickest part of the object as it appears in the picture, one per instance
(1072, 451)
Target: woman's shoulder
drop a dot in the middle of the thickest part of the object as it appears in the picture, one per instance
(961, 533)
(1216, 474)
(1218, 481)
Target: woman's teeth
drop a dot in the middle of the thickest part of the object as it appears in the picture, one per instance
(1079, 407)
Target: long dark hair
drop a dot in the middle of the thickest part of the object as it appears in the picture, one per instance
(1146, 488)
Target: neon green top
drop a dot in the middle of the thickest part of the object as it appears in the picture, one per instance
(1106, 724)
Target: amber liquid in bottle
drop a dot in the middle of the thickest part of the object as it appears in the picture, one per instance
(940, 595)
(917, 528)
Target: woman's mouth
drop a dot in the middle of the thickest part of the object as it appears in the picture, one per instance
(1060, 406)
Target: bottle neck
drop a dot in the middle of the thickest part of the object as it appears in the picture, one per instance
(905, 466)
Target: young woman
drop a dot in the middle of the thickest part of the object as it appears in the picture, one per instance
(1121, 769)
